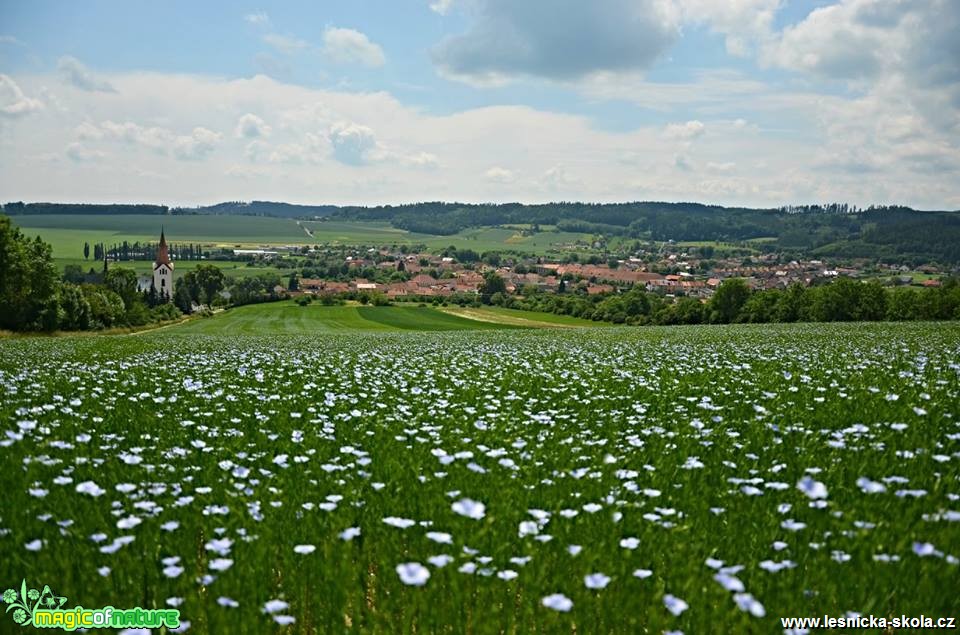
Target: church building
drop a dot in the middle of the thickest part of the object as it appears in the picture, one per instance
(163, 271)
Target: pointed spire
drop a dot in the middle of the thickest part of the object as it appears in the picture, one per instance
(163, 257)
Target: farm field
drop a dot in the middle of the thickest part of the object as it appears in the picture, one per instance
(230, 269)
(694, 479)
(514, 317)
(67, 233)
(287, 317)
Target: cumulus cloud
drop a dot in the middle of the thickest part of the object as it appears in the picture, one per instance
(78, 75)
(257, 18)
(250, 126)
(352, 144)
(497, 174)
(683, 163)
(872, 39)
(558, 39)
(196, 145)
(401, 153)
(13, 103)
(348, 46)
(285, 43)
(686, 131)
(743, 23)
(78, 153)
(441, 6)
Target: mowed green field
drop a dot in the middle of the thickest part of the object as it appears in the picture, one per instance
(519, 318)
(277, 318)
(598, 480)
(142, 267)
(67, 233)
(479, 239)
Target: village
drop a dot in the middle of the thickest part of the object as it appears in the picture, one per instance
(674, 272)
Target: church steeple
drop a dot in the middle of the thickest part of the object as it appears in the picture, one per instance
(163, 270)
(163, 257)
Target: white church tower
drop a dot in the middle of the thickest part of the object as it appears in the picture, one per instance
(163, 271)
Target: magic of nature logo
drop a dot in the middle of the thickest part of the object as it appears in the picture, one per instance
(44, 609)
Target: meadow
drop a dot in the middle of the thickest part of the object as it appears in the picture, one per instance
(288, 318)
(67, 233)
(594, 480)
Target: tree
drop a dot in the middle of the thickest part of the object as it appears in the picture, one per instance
(106, 307)
(73, 273)
(182, 298)
(28, 282)
(210, 281)
(293, 284)
(492, 283)
(75, 313)
(792, 304)
(123, 282)
(726, 303)
(688, 311)
(86, 250)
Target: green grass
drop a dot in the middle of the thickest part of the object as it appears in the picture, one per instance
(519, 318)
(479, 239)
(143, 267)
(671, 450)
(67, 233)
(277, 318)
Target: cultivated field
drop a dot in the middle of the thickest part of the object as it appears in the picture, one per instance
(289, 318)
(702, 479)
(67, 233)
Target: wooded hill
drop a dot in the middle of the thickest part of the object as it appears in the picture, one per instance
(891, 233)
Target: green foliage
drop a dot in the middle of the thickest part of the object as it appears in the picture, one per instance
(725, 305)
(492, 284)
(28, 282)
(106, 307)
(75, 311)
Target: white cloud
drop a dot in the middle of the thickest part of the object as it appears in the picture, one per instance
(352, 144)
(285, 43)
(258, 18)
(153, 137)
(75, 73)
(878, 42)
(742, 22)
(497, 174)
(250, 126)
(197, 145)
(441, 6)
(420, 160)
(558, 39)
(686, 131)
(77, 152)
(722, 167)
(683, 162)
(13, 103)
(347, 147)
(348, 46)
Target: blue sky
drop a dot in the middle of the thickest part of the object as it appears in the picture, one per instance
(758, 102)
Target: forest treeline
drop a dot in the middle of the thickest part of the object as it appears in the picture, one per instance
(892, 234)
(843, 300)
